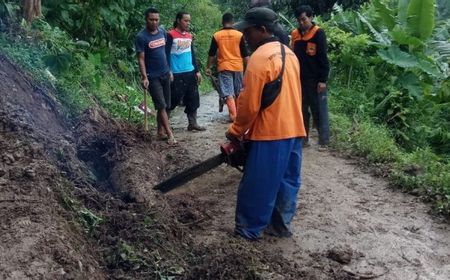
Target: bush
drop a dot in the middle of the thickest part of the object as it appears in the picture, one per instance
(421, 171)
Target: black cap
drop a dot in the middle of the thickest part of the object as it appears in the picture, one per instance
(258, 16)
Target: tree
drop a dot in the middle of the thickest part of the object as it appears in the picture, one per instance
(31, 9)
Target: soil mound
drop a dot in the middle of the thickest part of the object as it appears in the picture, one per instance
(38, 238)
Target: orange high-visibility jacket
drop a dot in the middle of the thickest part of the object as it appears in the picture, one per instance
(231, 49)
(283, 118)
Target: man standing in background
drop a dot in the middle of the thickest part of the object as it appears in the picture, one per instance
(185, 73)
(230, 61)
(309, 44)
(154, 69)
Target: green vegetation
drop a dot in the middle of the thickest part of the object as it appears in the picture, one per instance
(86, 49)
(390, 91)
(87, 219)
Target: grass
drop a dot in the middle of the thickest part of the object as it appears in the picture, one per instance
(85, 217)
(87, 82)
(421, 171)
(81, 86)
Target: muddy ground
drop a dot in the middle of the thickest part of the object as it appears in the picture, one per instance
(76, 202)
(344, 213)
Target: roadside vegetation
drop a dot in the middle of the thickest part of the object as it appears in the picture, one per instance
(389, 91)
(86, 49)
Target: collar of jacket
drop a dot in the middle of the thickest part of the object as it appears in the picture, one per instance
(308, 34)
(268, 40)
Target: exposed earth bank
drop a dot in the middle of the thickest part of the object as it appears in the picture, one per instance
(76, 202)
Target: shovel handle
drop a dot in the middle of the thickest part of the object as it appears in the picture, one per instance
(145, 111)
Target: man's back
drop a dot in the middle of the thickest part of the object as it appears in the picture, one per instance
(229, 44)
(283, 119)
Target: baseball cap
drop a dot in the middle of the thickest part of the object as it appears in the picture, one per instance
(257, 16)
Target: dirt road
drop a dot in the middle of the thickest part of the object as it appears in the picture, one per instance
(344, 213)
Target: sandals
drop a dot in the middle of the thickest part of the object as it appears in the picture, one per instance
(172, 141)
(162, 137)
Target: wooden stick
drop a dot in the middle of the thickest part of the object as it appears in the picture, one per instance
(145, 111)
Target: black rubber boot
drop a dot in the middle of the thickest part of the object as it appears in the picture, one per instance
(193, 125)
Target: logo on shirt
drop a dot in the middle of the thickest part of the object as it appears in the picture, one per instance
(182, 45)
(311, 49)
(157, 43)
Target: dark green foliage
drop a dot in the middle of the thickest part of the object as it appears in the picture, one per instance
(325, 6)
(404, 73)
(88, 47)
(390, 78)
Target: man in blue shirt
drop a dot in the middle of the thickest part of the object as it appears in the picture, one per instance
(154, 69)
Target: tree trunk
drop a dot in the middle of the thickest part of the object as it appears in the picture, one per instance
(31, 9)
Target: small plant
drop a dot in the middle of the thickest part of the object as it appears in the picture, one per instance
(88, 219)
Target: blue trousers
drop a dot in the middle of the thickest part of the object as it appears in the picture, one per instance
(230, 83)
(267, 194)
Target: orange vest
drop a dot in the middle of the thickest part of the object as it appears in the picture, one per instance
(283, 118)
(229, 57)
(296, 35)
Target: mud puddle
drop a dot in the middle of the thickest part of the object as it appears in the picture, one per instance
(349, 224)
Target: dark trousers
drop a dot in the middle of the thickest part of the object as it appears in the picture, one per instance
(159, 89)
(184, 87)
(316, 105)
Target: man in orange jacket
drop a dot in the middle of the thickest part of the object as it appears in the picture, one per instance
(232, 53)
(269, 117)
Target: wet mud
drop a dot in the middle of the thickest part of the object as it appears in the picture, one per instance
(349, 224)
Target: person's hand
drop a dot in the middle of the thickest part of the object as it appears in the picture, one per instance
(231, 137)
(321, 87)
(145, 83)
(199, 78)
(208, 72)
(171, 76)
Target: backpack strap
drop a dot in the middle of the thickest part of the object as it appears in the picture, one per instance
(272, 89)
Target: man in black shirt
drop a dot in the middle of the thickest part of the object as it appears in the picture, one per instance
(310, 46)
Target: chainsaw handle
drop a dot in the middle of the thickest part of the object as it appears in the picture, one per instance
(235, 154)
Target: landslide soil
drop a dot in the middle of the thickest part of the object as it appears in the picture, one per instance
(76, 202)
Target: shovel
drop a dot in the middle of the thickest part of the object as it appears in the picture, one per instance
(145, 111)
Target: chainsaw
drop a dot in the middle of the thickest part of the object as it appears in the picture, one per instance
(233, 153)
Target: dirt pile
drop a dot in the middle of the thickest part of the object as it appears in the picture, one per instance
(38, 238)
